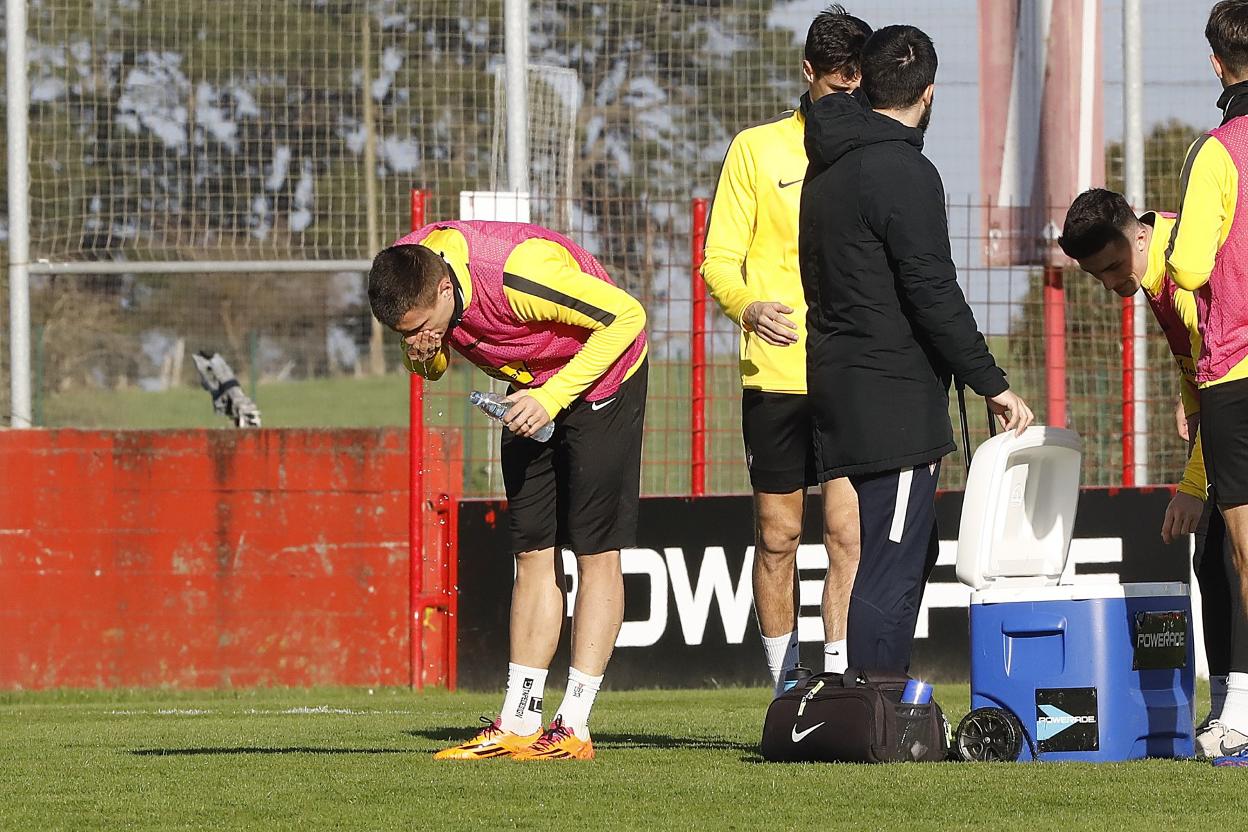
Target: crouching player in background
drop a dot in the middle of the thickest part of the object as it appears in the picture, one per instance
(531, 307)
(1126, 254)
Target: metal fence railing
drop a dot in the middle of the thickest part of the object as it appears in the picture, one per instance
(171, 141)
(114, 351)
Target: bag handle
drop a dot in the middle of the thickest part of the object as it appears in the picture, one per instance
(855, 677)
(966, 433)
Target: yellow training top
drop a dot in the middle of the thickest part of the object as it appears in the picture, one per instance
(1210, 191)
(567, 296)
(1183, 303)
(751, 245)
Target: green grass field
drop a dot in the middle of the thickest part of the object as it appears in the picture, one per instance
(346, 402)
(299, 760)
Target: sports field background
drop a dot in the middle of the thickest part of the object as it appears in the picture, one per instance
(331, 759)
(229, 132)
(382, 401)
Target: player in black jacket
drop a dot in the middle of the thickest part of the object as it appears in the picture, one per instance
(888, 328)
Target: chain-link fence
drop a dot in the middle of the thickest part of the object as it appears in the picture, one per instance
(218, 131)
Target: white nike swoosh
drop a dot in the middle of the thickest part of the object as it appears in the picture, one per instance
(601, 405)
(798, 737)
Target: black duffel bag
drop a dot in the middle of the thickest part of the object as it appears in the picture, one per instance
(855, 717)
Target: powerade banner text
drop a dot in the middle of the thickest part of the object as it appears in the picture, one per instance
(689, 617)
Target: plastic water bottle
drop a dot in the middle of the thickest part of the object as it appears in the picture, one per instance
(794, 676)
(495, 406)
(912, 720)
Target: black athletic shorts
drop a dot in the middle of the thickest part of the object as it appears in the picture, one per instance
(779, 449)
(580, 490)
(1224, 435)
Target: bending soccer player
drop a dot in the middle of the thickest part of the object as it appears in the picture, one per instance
(752, 271)
(1208, 254)
(1126, 254)
(533, 308)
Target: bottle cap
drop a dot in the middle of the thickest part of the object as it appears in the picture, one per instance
(916, 693)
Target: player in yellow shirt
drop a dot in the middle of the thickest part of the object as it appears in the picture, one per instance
(530, 306)
(1208, 255)
(1126, 254)
(751, 268)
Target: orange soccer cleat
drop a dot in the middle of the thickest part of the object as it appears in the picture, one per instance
(492, 742)
(557, 743)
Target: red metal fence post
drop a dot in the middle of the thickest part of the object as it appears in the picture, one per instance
(1055, 346)
(451, 566)
(1128, 393)
(416, 486)
(697, 456)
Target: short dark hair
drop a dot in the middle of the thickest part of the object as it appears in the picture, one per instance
(898, 64)
(834, 42)
(401, 279)
(1227, 33)
(1095, 219)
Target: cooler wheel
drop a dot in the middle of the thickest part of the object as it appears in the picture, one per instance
(990, 735)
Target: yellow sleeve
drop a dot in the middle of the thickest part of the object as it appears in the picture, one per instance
(431, 370)
(1210, 186)
(1184, 303)
(1194, 481)
(1189, 394)
(731, 231)
(542, 282)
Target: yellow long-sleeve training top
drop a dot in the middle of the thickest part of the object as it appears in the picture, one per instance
(751, 245)
(1183, 304)
(1210, 192)
(567, 296)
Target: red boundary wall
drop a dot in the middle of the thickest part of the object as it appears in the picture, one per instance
(215, 558)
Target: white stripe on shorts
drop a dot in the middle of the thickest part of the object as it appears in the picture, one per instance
(904, 479)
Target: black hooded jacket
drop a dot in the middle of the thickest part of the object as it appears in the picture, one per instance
(888, 324)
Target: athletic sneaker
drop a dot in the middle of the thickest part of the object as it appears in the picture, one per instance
(1232, 749)
(1209, 736)
(493, 741)
(558, 743)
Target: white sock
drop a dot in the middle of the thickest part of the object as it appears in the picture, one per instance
(578, 700)
(1235, 710)
(834, 656)
(1217, 696)
(522, 706)
(781, 654)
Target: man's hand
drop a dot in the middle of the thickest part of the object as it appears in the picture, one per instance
(1011, 411)
(526, 416)
(1180, 421)
(1182, 516)
(767, 319)
(423, 346)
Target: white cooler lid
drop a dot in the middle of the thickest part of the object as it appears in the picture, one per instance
(1018, 510)
(1085, 590)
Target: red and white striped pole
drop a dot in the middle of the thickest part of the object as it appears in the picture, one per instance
(416, 497)
(697, 456)
(1128, 392)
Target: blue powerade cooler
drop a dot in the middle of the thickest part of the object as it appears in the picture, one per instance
(1062, 669)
